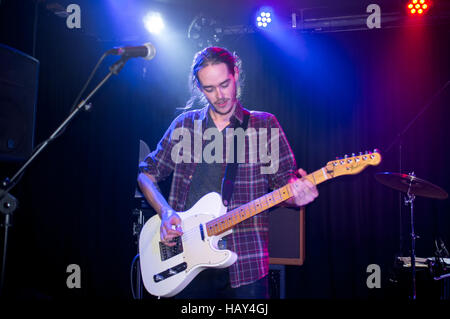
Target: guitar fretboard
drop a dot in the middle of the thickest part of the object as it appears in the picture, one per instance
(235, 216)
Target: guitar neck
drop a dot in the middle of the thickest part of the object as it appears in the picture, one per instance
(235, 216)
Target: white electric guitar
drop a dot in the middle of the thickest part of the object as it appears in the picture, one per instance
(168, 270)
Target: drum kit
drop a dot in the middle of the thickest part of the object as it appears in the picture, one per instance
(412, 186)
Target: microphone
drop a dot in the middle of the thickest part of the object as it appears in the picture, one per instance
(146, 51)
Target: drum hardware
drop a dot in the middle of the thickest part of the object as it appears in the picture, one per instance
(412, 186)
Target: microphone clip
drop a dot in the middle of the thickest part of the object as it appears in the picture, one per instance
(118, 66)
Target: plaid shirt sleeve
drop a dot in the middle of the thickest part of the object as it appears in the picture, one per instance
(159, 163)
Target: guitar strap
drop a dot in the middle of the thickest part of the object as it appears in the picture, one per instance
(231, 168)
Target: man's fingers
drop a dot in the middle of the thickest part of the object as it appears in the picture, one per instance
(302, 172)
(174, 233)
(304, 191)
(168, 234)
(167, 240)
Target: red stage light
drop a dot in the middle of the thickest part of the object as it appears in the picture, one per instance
(418, 7)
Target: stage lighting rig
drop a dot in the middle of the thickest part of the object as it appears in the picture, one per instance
(205, 30)
(208, 31)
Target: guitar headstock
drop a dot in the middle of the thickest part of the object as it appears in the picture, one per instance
(354, 164)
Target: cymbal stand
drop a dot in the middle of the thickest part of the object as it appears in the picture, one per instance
(410, 200)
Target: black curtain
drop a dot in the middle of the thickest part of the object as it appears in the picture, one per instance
(333, 93)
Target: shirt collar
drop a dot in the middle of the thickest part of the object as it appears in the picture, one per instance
(238, 114)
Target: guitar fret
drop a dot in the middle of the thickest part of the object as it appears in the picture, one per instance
(252, 208)
(275, 198)
(264, 202)
(314, 178)
(257, 205)
(242, 211)
(284, 193)
(270, 199)
(289, 190)
(278, 196)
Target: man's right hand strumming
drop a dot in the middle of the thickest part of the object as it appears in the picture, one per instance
(170, 221)
(170, 226)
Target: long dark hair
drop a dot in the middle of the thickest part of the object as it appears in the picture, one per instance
(207, 56)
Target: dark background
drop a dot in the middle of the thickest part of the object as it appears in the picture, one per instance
(333, 93)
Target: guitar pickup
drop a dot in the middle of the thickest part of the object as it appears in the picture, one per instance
(167, 252)
(170, 272)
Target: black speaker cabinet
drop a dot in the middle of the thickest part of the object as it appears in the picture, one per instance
(287, 236)
(18, 93)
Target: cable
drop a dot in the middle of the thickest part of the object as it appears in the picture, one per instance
(88, 81)
(131, 276)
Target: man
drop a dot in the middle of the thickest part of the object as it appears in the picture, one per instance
(215, 77)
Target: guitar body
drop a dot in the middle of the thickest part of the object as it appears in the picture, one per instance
(168, 270)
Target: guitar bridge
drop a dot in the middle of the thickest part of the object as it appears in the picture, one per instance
(167, 252)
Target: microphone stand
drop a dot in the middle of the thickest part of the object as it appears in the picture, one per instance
(8, 203)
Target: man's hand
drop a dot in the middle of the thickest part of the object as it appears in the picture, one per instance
(170, 226)
(304, 191)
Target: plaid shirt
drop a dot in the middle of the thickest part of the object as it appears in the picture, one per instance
(249, 239)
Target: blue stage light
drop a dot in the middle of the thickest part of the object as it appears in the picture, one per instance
(264, 18)
(153, 22)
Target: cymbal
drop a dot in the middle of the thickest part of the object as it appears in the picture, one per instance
(419, 187)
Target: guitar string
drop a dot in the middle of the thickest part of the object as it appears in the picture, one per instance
(244, 213)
